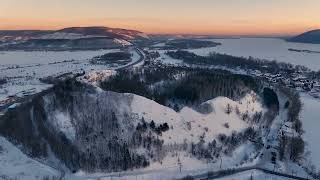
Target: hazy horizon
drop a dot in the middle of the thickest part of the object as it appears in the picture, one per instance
(229, 17)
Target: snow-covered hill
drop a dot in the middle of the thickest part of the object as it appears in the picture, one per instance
(72, 38)
(63, 35)
(190, 125)
(312, 37)
(106, 31)
(132, 131)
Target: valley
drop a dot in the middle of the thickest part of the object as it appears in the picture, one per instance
(136, 111)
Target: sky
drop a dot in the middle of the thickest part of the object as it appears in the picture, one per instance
(219, 17)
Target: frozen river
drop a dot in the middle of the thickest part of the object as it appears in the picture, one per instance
(311, 124)
(267, 48)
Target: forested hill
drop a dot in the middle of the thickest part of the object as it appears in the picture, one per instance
(307, 37)
(170, 86)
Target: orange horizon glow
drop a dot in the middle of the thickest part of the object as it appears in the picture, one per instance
(206, 17)
(206, 30)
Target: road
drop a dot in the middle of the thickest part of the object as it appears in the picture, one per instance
(203, 176)
(130, 65)
(225, 173)
(4, 108)
(271, 142)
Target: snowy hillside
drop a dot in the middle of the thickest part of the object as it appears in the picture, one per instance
(133, 129)
(187, 126)
(122, 42)
(62, 35)
(106, 31)
(190, 125)
(16, 165)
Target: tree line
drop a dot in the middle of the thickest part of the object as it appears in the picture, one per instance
(176, 87)
(234, 62)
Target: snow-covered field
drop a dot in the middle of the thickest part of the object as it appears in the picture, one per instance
(267, 48)
(24, 69)
(45, 57)
(165, 59)
(311, 124)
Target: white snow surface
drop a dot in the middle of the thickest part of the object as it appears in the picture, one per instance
(255, 174)
(24, 69)
(16, 165)
(311, 123)
(190, 125)
(122, 42)
(170, 169)
(63, 123)
(165, 59)
(143, 35)
(97, 76)
(267, 48)
(44, 57)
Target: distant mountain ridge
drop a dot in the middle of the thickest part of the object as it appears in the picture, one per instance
(105, 31)
(91, 30)
(307, 37)
(71, 38)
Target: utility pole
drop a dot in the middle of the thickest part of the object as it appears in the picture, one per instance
(220, 163)
(180, 164)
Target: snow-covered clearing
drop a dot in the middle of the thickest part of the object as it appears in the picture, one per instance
(267, 48)
(122, 42)
(16, 165)
(165, 59)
